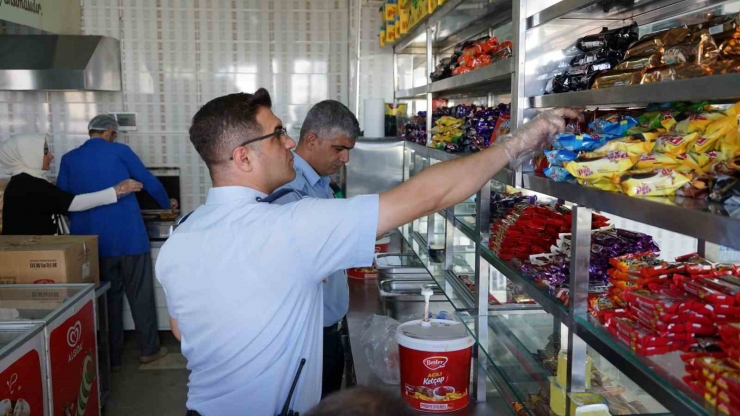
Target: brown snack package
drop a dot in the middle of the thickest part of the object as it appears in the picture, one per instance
(675, 72)
(726, 66)
(730, 48)
(704, 52)
(655, 42)
(617, 79)
(650, 61)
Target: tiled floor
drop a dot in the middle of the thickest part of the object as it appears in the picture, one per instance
(136, 391)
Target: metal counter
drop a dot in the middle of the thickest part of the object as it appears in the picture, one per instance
(363, 303)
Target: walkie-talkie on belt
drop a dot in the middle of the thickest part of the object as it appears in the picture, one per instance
(285, 411)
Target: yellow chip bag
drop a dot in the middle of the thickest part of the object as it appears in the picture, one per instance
(655, 160)
(674, 145)
(697, 123)
(658, 182)
(729, 150)
(701, 162)
(633, 145)
(597, 165)
(723, 130)
(447, 121)
(605, 184)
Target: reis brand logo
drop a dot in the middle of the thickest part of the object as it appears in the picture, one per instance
(435, 363)
(74, 333)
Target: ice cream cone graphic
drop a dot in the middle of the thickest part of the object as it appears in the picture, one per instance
(88, 378)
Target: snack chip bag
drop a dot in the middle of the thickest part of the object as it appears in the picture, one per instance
(697, 123)
(675, 145)
(655, 160)
(559, 157)
(723, 131)
(558, 174)
(701, 162)
(605, 184)
(653, 120)
(579, 142)
(596, 165)
(613, 124)
(633, 145)
(729, 150)
(658, 182)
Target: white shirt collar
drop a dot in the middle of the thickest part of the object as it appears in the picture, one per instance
(225, 194)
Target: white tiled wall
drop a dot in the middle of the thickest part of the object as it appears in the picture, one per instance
(179, 54)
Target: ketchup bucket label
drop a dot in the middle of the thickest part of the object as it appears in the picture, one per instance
(435, 381)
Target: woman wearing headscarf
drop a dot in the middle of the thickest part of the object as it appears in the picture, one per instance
(32, 205)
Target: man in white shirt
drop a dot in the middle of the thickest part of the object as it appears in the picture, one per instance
(243, 277)
(328, 133)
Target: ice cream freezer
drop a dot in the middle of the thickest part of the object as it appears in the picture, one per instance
(23, 369)
(68, 348)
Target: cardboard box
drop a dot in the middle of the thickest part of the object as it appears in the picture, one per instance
(49, 259)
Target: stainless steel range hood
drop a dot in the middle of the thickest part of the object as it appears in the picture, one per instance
(58, 62)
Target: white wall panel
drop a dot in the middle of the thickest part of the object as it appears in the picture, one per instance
(179, 54)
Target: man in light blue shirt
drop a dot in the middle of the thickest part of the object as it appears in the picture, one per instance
(328, 133)
(243, 277)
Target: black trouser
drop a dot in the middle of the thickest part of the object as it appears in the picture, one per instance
(192, 413)
(333, 361)
(131, 275)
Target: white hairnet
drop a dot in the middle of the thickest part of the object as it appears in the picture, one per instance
(103, 122)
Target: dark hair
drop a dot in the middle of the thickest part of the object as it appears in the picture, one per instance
(224, 122)
(96, 133)
(328, 117)
(361, 401)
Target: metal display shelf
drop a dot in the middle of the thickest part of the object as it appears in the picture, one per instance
(504, 176)
(661, 375)
(715, 88)
(691, 217)
(454, 20)
(411, 93)
(486, 77)
(551, 305)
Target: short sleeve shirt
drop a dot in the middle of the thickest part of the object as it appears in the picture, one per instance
(243, 280)
(30, 205)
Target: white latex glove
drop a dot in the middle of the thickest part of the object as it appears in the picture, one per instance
(531, 138)
(127, 186)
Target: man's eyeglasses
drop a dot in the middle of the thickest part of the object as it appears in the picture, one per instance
(280, 131)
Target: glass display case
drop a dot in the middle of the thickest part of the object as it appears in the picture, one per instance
(67, 317)
(542, 344)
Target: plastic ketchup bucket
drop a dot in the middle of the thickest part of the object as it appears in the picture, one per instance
(435, 364)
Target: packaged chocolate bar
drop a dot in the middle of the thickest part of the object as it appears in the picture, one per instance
(658, 182)
(726, 190)
(676, 72)
(640, 62)
(660, 301)
(617, 79)
(731, 47)
(616, 39)
(726, 66)
(654, 42)
(703, 52)
(596, 55)
(595, 165)
(703, 291)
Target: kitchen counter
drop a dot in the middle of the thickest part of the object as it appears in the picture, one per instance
(363, 303)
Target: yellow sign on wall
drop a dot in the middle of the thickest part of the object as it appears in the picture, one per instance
(55, 16)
